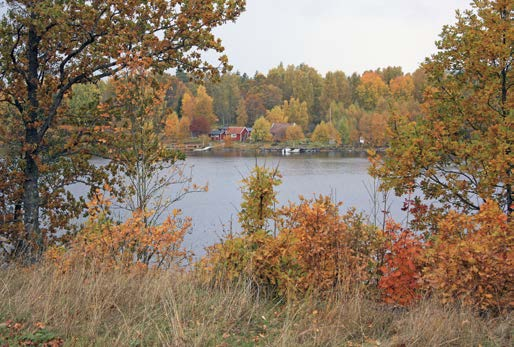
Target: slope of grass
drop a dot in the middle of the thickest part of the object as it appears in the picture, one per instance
(177, 309)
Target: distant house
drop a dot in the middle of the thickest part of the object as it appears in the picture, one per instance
(278, 131)
(237, 133)
(234, 133)
(217, 135)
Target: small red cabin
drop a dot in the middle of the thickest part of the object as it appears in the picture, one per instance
(237, 133)
(234, 133)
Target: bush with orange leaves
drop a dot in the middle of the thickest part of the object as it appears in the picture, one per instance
(104, 244)
(331, 249)
(316, 249)
(401, 271)
(261, 258)
(471, 259)
(468, 259)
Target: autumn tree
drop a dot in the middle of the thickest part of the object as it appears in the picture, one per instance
(204, 106)
(187, 105)
(353, 115)
(307, 85)
(199, 110)
(344, 127)
(297, 112)
(261, 130)
(370, 90)
(389, 73)
(301, 82)
(402, 87)
(326, 133)
(276, 115)
(226, 97)
(175, 93)
(200, 126)
(150, 169)
(184, 126)
(171, 126)
(242, 116)
(373, 128)
(276, 76)
(46, 47)
(461, 151)
(420, 83)
(254, 106)
(294, 133)
(66, 161)
(270, 95)
(259, 197)
(336, 89)
(336, 113)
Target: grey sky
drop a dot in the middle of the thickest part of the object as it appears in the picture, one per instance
(330, 35)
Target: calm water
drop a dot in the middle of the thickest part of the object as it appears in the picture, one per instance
(214, 213)
(343, 177)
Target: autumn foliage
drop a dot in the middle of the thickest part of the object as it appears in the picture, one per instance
(331, 249)
(401, 271)
(468, 259)
(104, 244)
(315, 247)
(326, 133)
(471, 259)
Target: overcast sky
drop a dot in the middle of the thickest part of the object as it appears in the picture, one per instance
(329, 35)
(347, 35)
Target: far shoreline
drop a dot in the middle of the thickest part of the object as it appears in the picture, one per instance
(276, 148)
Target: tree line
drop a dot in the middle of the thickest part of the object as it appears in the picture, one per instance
(355, 108)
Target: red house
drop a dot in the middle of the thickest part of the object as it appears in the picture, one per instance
(237, 133)
(234, 133)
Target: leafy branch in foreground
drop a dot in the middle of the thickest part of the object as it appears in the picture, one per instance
(460, 151)
(147, 175)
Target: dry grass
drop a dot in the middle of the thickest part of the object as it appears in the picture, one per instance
(176, 309)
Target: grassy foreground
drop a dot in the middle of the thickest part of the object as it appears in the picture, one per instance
(42, 306)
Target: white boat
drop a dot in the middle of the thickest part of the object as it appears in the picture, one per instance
(296, 150)
(208, 148)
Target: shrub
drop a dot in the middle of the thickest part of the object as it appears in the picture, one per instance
(316, 249)
(331, 250)
(401, 271)
(471, 259)
(104, 244)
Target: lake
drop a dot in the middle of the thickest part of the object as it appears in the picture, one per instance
(342, 176)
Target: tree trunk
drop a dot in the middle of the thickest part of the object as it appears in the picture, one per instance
(34, 244)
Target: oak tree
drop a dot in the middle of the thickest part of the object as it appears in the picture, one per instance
(460, 152)
(48, 46)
